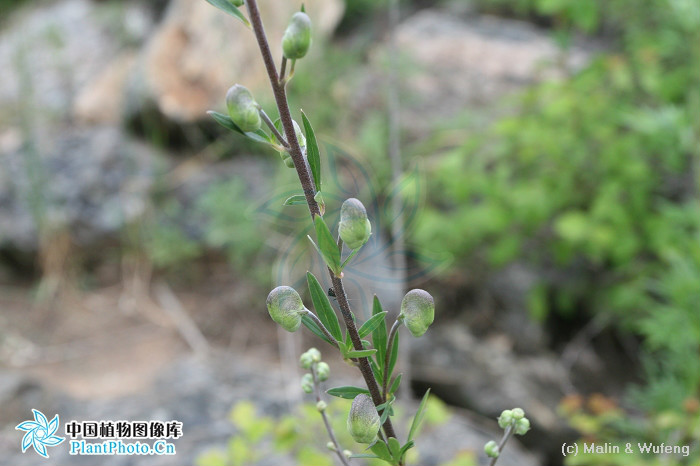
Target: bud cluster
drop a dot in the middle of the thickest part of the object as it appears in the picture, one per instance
(311, 360)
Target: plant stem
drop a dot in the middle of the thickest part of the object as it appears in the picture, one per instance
(285, 116)
(323, 328)
(329, 428)
(307, 185)
(390, 345)
(283, 69)
(365, 368)
(271, 125)
(506, 435)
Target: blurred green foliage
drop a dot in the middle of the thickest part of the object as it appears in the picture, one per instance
(594, 181)
(225, 224)
(603, 423)
(302, 435)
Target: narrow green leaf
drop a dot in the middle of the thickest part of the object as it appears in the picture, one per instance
(418, 418)
(380, 449)
(395, 384)
(258, 138)
(405, 448)
(327, 245)
(394, 355)
(315, 329)
(371, 324)
(348, 392)
(388, 411)
(323, 307)
(225, 121)
(297, 199)
(394, 448)
(379, 335)
(228, 7)
(361, 353)
(376, 371)
(312, 153)
(364, 455)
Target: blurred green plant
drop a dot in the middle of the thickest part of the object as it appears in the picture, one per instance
(602, 422)
(299, 435)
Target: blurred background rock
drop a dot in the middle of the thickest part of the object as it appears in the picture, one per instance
(552, 156)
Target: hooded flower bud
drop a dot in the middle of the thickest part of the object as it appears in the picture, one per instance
(307, 383)
(297, 37)
(491, 449)
(518, 414)
(242, 108)
(354, 227)
(522, 426)
(314, 354)
(505, 419)
(417, 311)
(322, 371)
(305, 361)
(363, 420)
(285, 307)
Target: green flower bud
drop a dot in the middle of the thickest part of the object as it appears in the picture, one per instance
(305, 361)
(321, 406)
(307, 383)
(518, 414)
(491, 449)
(363, 419)
(330, 446)
(505, 419)
(237, 2)
(297, 37)
(417, 311)
(242, 108)
(522, 426)
(347, 453)
(354, 227)
(323, 371)
(314, 354)
(285, 307)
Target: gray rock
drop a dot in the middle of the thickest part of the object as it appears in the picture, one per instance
(91, 182)
(450, 65)
(200, 394)
(487, 376)
(198, 52)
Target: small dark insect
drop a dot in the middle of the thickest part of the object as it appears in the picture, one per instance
(331, 292)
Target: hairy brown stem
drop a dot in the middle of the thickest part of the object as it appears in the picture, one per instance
(285, 115)
(307, 185)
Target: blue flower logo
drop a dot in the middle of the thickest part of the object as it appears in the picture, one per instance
(40, 433)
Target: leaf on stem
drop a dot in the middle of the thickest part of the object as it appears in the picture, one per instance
(379, 334)
(312, 152)
(418, 418)
(327, 246)
(323, 307)
(360, 353)
(315, 329)
(395, 384)
(381, 450)
(230, 8)
(297, 199)
(394, 354)
(225, 121)
(371, 324)
(348, 392)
